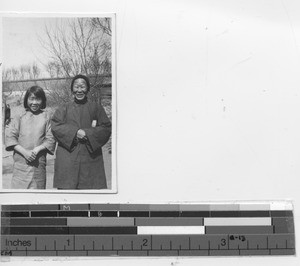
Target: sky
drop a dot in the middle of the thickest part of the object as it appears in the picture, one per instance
(21, 41)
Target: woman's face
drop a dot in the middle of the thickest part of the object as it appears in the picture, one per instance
(80, 89)
(34, 103)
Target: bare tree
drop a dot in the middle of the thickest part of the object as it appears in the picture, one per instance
(78, 46)
(35, 71)
(23, 72)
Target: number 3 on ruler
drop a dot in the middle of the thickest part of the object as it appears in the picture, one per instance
(223, 242)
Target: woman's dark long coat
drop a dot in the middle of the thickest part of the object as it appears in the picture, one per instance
(79, 165)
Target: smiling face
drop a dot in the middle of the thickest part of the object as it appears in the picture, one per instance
(80, 89)
(34, 103)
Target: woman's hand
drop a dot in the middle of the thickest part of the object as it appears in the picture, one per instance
(30, 156)
(81, 134)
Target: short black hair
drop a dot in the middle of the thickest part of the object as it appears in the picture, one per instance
(38, 92)
(87, 81)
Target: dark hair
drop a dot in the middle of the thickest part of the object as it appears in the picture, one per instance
(81, 77)
(38, 92)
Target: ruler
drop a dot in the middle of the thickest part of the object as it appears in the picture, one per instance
(147, 230)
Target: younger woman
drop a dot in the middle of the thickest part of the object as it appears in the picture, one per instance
(29, 136)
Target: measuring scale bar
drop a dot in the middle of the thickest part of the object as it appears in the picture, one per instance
(147, 230)
(151, 245)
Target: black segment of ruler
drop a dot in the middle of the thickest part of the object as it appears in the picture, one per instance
(164, 213)
(33, 207)
(134, 214)
(103, 213)
(45, 230)
(224, 214)
(281, 213)
(194, 214)
(115, 230)
(15, 214)
(44, 214)
(34, 221)
(73, 214)
(255, 214)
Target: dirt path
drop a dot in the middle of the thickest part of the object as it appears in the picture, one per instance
(7, 168)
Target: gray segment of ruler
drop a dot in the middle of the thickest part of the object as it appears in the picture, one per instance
(208, 242)
(132, 242)
(283, 225)
(102, 253)
(158, 253)
(104, 221)
(169, 242)
(239, 229)
(254, 252)
(74, 207)
(281, 241)
(134, 207)
(248, 241)
(282, 252)
(134, 253)
(90, 242)
(19, 253)
(104, 207)
(55, 242)
(42, 253)
(193, 252)
(72, 253)
(34, 207)
(33, 221)
(223, 252)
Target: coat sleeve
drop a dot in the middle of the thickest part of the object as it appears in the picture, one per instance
(49, 140)
(63, 132)
(99, 135)
(12, 134)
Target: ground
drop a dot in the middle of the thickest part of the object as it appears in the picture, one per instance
(7, 167)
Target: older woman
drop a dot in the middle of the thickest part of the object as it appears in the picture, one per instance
(81, 128)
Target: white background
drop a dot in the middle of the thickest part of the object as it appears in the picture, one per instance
(208, 106)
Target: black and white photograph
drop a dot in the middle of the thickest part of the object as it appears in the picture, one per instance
(58, 103)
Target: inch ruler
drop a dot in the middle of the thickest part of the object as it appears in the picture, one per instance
(147, 230)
